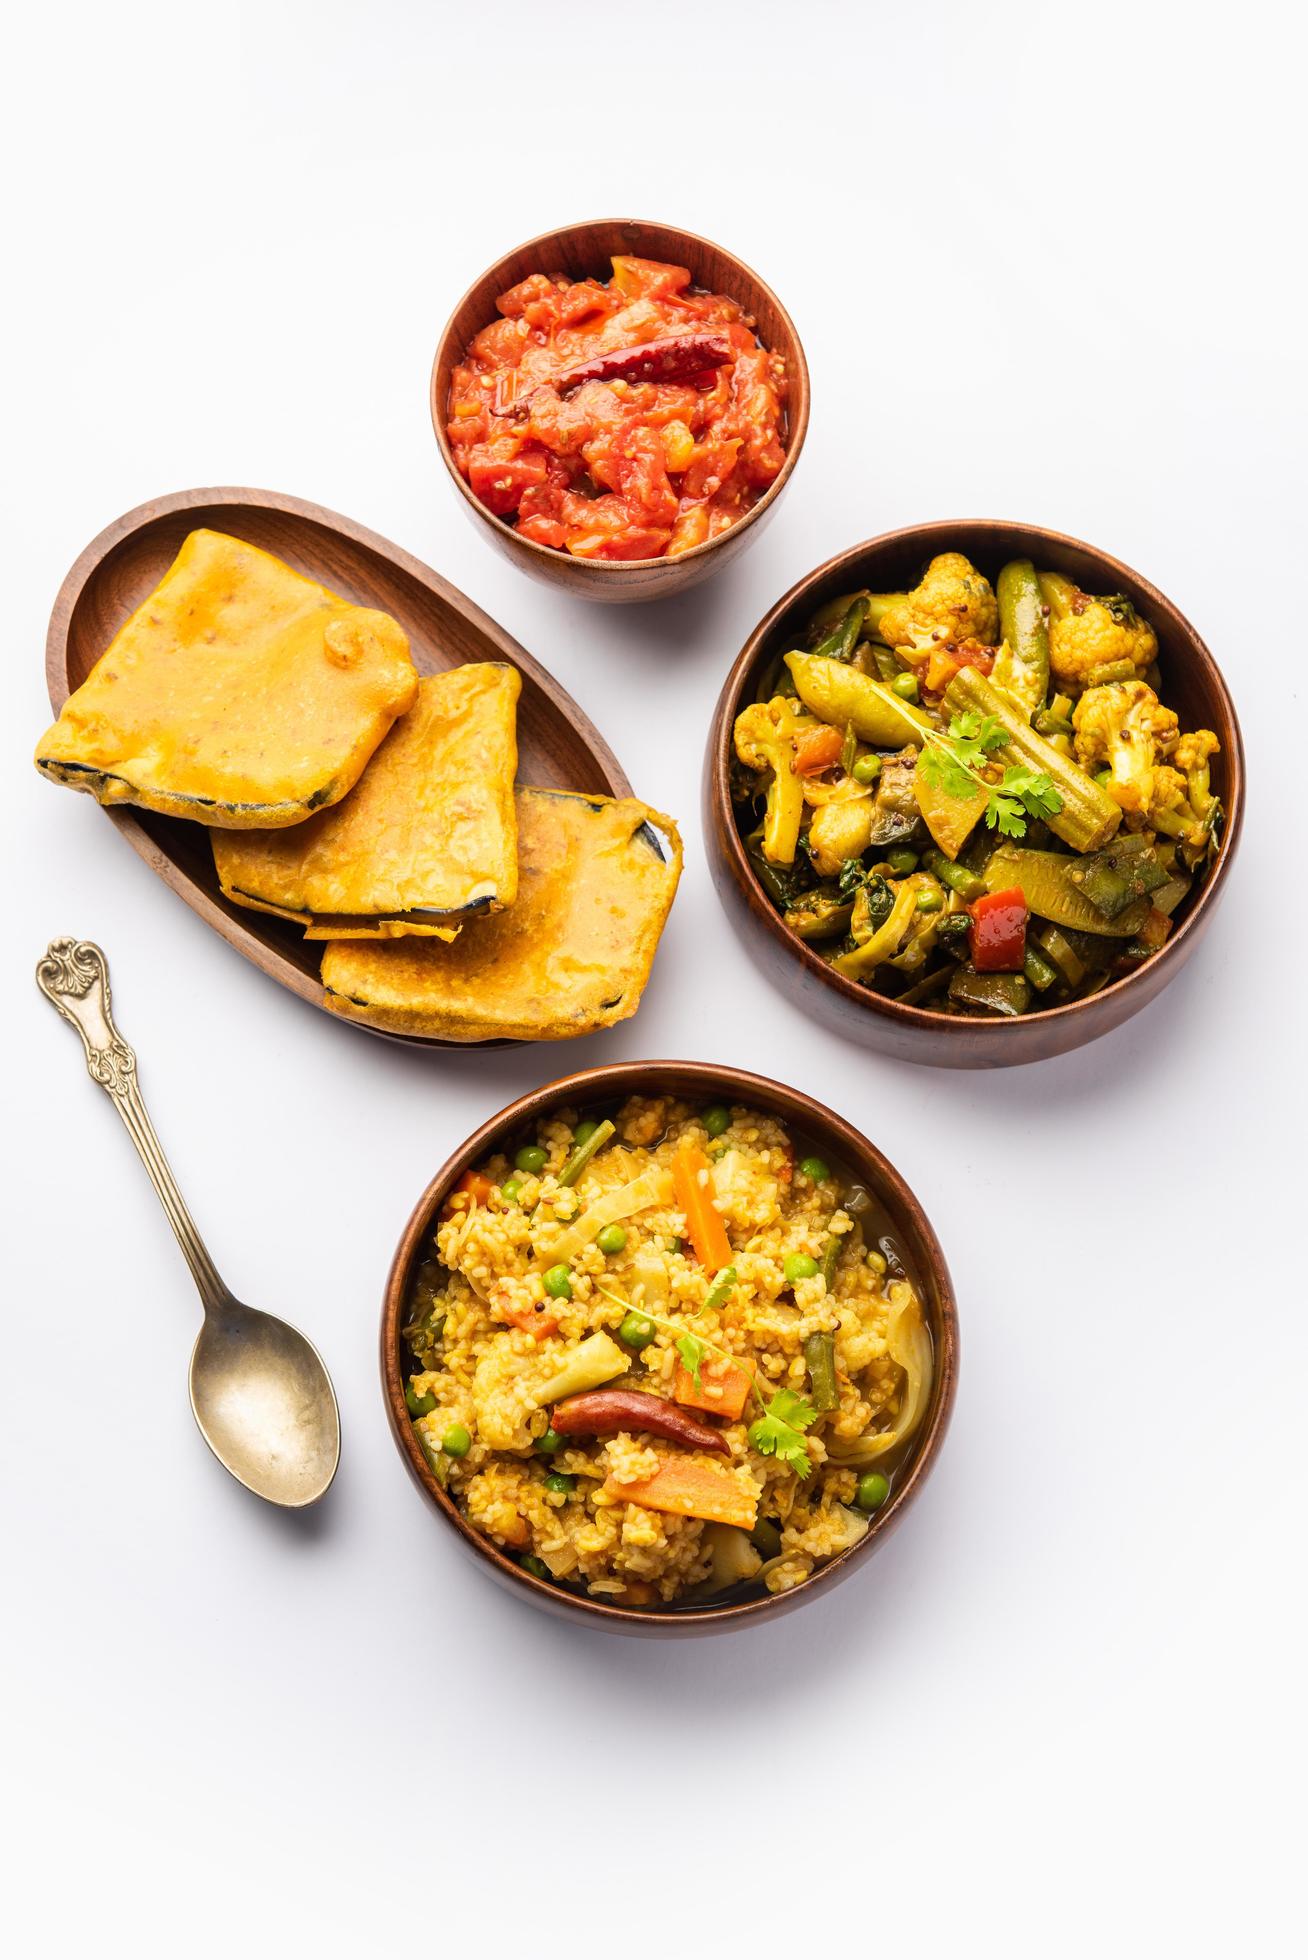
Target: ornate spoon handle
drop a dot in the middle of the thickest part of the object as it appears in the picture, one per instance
(74, 977)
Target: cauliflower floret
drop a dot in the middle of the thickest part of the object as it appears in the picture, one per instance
(1126, 726)
(1194, 752)
(839, 831)
(953, 602)
(1090, 633)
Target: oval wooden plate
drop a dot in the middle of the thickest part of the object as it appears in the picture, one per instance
(558, 747)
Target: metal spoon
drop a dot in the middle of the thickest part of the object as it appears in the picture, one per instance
(261, 1395)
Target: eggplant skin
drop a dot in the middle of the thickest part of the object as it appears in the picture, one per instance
(238, 694)
(596, 879)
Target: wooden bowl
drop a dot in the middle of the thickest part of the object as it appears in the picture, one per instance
(581, 252)
(1193, 686)
(558, 746)
(698, 1082)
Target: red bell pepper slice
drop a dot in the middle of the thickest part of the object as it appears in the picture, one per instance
(998, 934)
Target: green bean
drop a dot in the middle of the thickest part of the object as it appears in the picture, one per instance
(831, 1256)
(820, 1360)
(536, 1566)
(1109, 671)
(1048, 723)
(957, 876)
(839, 644)
(583, 1153)
(1038, 969)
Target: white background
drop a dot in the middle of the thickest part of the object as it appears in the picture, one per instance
(1046, 264)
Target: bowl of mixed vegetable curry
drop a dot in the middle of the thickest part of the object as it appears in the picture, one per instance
(975, 788)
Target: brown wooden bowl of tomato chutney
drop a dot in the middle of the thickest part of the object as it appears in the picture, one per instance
(584, 251)
(1192, 685)
(597, 1092)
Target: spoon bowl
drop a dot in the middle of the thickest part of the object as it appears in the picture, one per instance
(264, 1404)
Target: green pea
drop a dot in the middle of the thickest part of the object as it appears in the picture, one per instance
(531, 1158)
(814, 1170)
(872, 1491)
(675, 1245)
(636, 1331)
(717, 1119)
(611, 1239)
(902, 862)
(558, 1282)
(419, 1405)
(798, 1265)
(905, 686)
(560, 1481)
(866, 769)
(456, 1441)
(511, 1189)
(584, 1131)
(549, 1442)
(876, 1260)
(929, 900)
(536, 1566)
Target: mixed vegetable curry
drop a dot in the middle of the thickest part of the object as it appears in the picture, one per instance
(973, 797)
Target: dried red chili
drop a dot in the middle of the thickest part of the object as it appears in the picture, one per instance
(608, 1410)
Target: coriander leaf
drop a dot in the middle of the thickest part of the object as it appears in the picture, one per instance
(944, 771)
(779, 1430)
(692, 1352)
(1004, 814)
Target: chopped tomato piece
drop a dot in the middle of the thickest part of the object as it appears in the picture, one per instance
(500, 480)
(817, 749)
(998, 935)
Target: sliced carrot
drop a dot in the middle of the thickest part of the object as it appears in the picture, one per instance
(471, 1185)
(539, 1322)
(689, 1490)
(691, 1187)
(724, 1388)
(817, 749)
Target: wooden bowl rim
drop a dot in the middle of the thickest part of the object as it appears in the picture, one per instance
(936, 536)
(128, 819)
(604, 1084)
(797, 403)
